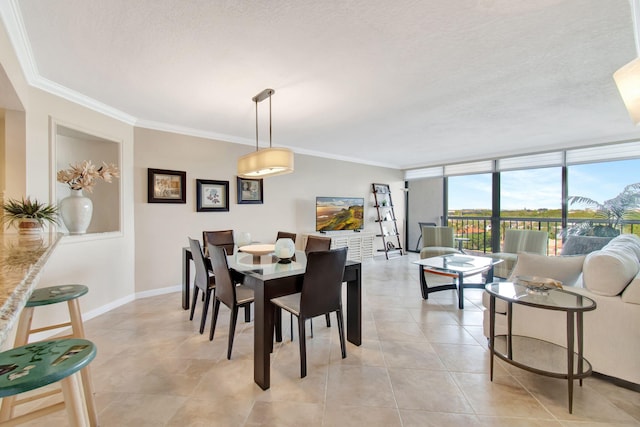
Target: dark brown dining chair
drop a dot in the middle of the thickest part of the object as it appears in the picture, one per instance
(203, 281)
(286, 235)
(227, 292)
(317, 243)
(321, 294)
(314, 244)
(222, 238)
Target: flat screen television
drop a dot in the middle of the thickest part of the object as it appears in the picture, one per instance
(339, 213)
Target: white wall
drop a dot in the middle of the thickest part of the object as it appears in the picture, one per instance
(425, 205)
(105, 263)
(289, 200)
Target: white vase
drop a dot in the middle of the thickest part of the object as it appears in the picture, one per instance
(76, 211)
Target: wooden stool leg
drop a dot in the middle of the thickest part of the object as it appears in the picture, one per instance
(76, 318)
(73, 401)
(78, 331)
(24, 326)
(87, 386)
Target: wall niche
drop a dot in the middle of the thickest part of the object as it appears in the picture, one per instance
(71, 147)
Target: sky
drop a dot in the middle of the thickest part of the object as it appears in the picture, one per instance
(541, 188)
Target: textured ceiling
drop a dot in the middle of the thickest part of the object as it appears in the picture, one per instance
(404, 84)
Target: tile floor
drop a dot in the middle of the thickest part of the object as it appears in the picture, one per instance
(421, 363)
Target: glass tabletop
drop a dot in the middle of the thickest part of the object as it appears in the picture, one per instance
(553, 299)
(268, 266)
(458, 263)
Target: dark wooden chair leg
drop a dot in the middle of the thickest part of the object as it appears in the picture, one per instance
(303, 348)
(232, 329)
(328, 320)
(277, 323)
(205, 310)
(343, 347)
(291, 325)
(214, 319)
(193, 301)
(247, 313)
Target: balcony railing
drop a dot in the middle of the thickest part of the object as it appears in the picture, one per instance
(478, 230)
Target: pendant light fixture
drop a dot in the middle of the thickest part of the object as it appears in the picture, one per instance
(268, 161)
(627, 78)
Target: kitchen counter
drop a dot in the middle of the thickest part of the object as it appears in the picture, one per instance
(21, 262)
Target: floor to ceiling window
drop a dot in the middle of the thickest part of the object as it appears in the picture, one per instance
(469, 209)
(531, 199)
(603, 199)
(529, 193)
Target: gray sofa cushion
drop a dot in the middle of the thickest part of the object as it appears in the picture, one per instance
(579, 245)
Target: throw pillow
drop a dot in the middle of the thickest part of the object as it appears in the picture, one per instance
(566, 269)
(609, 271)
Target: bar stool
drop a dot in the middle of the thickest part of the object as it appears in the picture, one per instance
(47, 296)
(39, 364)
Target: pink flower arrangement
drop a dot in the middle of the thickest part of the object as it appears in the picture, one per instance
(84, 175)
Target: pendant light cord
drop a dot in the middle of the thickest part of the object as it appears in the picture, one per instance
(256, 125)
(269, 120)
(635, 17)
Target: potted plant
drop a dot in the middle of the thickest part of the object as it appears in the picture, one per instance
(28, 215)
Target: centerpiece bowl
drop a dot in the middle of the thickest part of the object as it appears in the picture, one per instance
(538, 285)
(257, 251)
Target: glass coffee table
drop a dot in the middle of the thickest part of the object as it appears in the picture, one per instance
(536, 355)
(456, 267)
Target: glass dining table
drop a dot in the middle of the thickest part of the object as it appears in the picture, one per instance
(271, 279)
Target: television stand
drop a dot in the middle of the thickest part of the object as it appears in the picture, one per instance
(360, 244)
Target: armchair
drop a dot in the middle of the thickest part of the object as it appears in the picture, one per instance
(530, 241)
(437, 241)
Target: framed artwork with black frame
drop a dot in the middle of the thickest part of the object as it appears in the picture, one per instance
(212, 196)
(166, 186)
(249, 191)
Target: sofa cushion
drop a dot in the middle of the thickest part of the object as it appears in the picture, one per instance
(628, 241)
(566, 269)
(433, 251)
(608, 271)
(631, 293)
(579, 245)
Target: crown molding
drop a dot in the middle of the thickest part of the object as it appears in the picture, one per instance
(183, 130)
(12, 19)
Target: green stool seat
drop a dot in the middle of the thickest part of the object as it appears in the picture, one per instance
(39, 364)
(55, 294)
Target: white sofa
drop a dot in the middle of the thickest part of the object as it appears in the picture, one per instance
(611, 277)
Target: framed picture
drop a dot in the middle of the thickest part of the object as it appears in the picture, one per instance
(380, 188)
(165, 186)
(212, 196)
(249, 191)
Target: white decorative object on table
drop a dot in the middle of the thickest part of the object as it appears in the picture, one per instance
(257, 251)
(284, 250)
(243, 238)
(76, 209)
